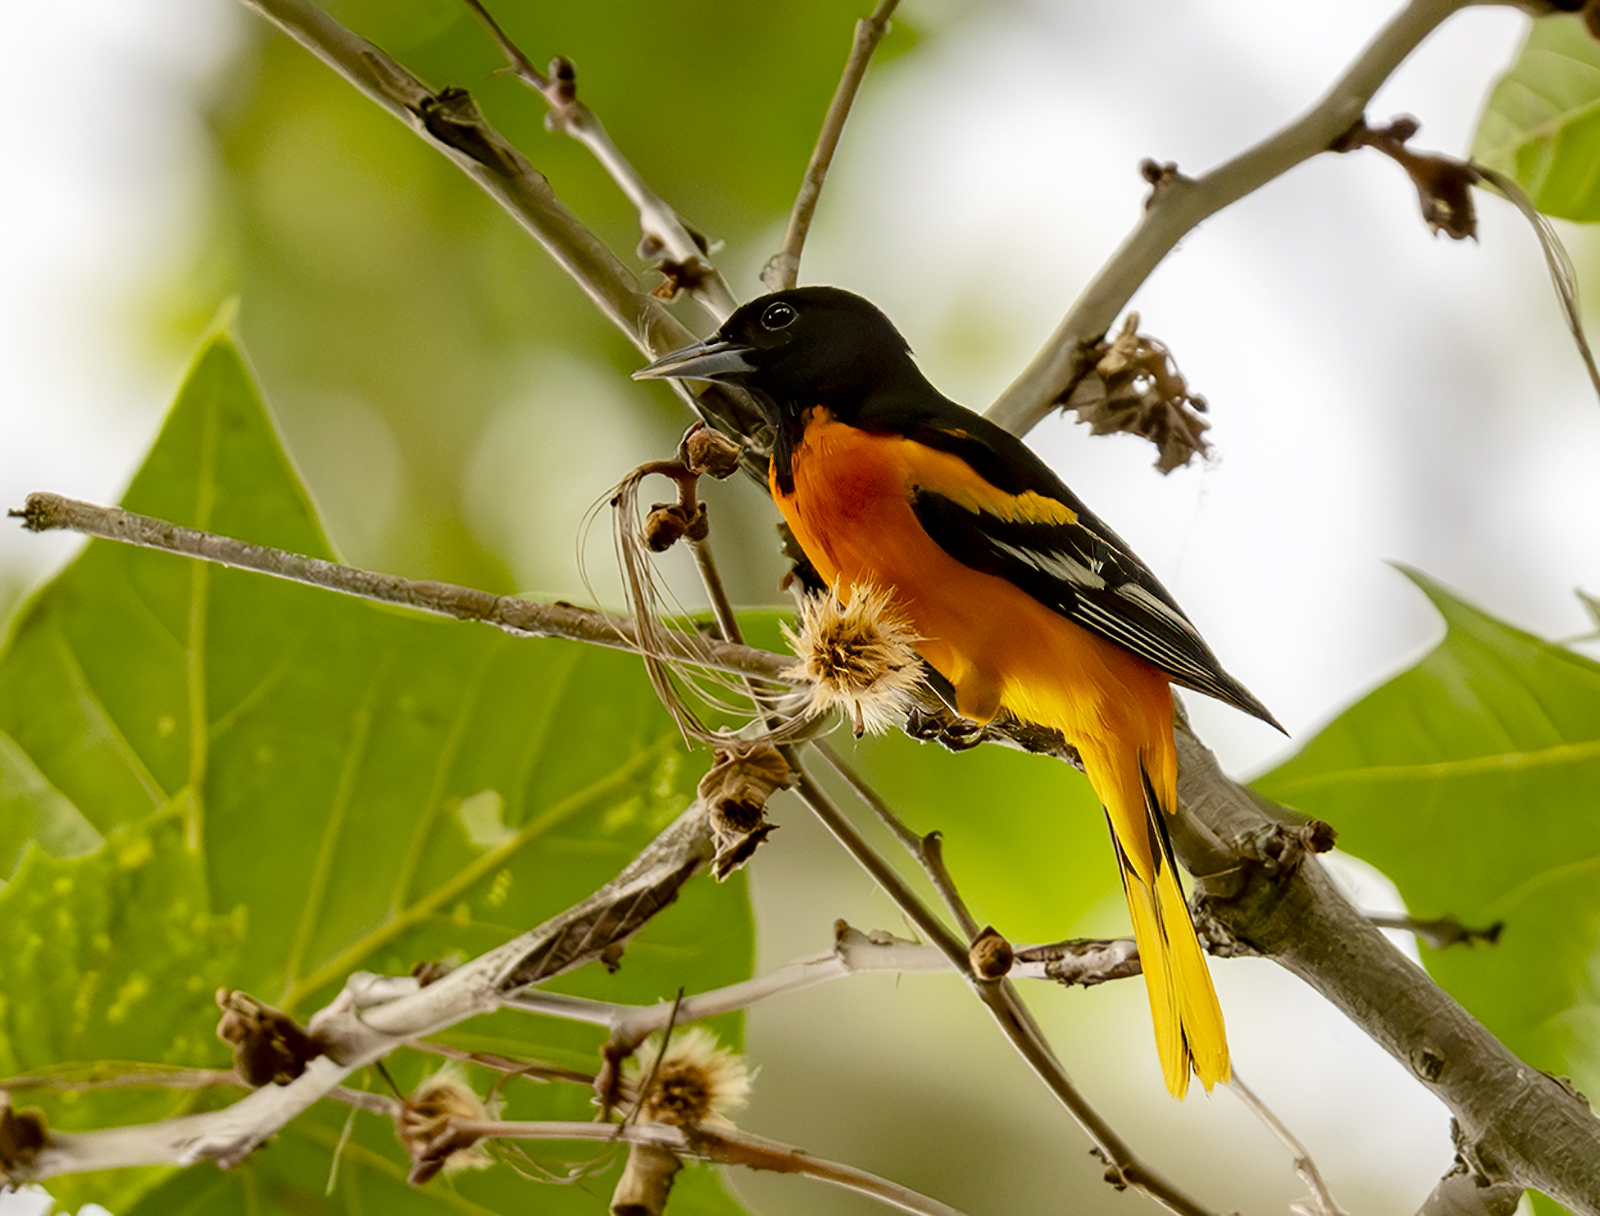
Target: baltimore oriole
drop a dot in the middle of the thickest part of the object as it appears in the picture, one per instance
(1022, 598)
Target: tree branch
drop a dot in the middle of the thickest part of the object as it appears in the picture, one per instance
(449, 121)
(47, 512)
(663, 232)
(722, 1145)
(1179, 203)
(1004, 1004)
(1266, 892)
(374, 1015)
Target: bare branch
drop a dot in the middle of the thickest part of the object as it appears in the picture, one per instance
(783, 271)
(1180, 203)
(1321, 1202)
(664, 235)
(1004, 1004)
(722, 1145)
(450, 122)
(375, 1015)
(46, 512)
(1263, 890)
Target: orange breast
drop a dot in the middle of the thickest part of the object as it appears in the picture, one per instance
(851, 512)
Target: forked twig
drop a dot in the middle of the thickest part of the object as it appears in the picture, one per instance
(686, 259)
(1180, 203)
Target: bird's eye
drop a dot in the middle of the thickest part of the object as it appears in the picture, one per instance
(778, 315)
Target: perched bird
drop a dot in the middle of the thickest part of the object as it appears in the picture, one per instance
(1022, 599)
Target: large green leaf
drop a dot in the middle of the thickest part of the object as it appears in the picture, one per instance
(1541, 123)
(1471, 781)
(236, 780)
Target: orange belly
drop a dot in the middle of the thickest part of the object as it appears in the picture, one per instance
(851, 512)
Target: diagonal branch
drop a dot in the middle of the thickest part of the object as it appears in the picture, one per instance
(664, 234)
(1180, 203)
(1269, 896)
(449, 121)
(783, 271)
(46, 512)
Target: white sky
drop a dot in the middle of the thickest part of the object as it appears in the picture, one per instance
(1377, 395)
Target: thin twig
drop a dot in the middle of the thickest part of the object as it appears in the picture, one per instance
(1322, 1201)
(448, 121)
(722, 1145)
(663, 233)
(925, 849)
(1003, 1002)
(1181, 203)
(1559, 263)
(46, 512)
(1440, 932)
(783, 271)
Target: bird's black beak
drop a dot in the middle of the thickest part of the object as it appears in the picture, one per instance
(714, 359)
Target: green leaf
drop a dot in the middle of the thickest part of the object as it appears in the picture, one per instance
(235, 780)
(1541, 123)
(1469, 780)
(1023, 836)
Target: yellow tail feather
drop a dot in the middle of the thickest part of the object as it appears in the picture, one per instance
(1183, 1003)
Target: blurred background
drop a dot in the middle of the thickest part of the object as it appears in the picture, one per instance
(455, 405)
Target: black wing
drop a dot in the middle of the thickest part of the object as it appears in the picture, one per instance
(1078, 567)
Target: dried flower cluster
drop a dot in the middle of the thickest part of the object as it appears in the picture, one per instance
(1134, 386)
(859, 656)
(694, 1080)
(735, 792)
(428, 1113)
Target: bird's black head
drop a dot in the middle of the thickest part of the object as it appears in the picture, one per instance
(799, 348)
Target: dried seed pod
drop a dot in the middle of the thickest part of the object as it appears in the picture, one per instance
(426, 1115)
(735, 792)
(1135, 386)
(708, 452)
(859, 655)
(268, 1045)
(692, 1080)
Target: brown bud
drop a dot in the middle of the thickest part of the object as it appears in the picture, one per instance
(564, 75)
(668, 523)
(1444, 190)
(268, 1046)
(991, 955)
(663, 527)
(22, 1134)
(1318, 836)
(709, 452)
